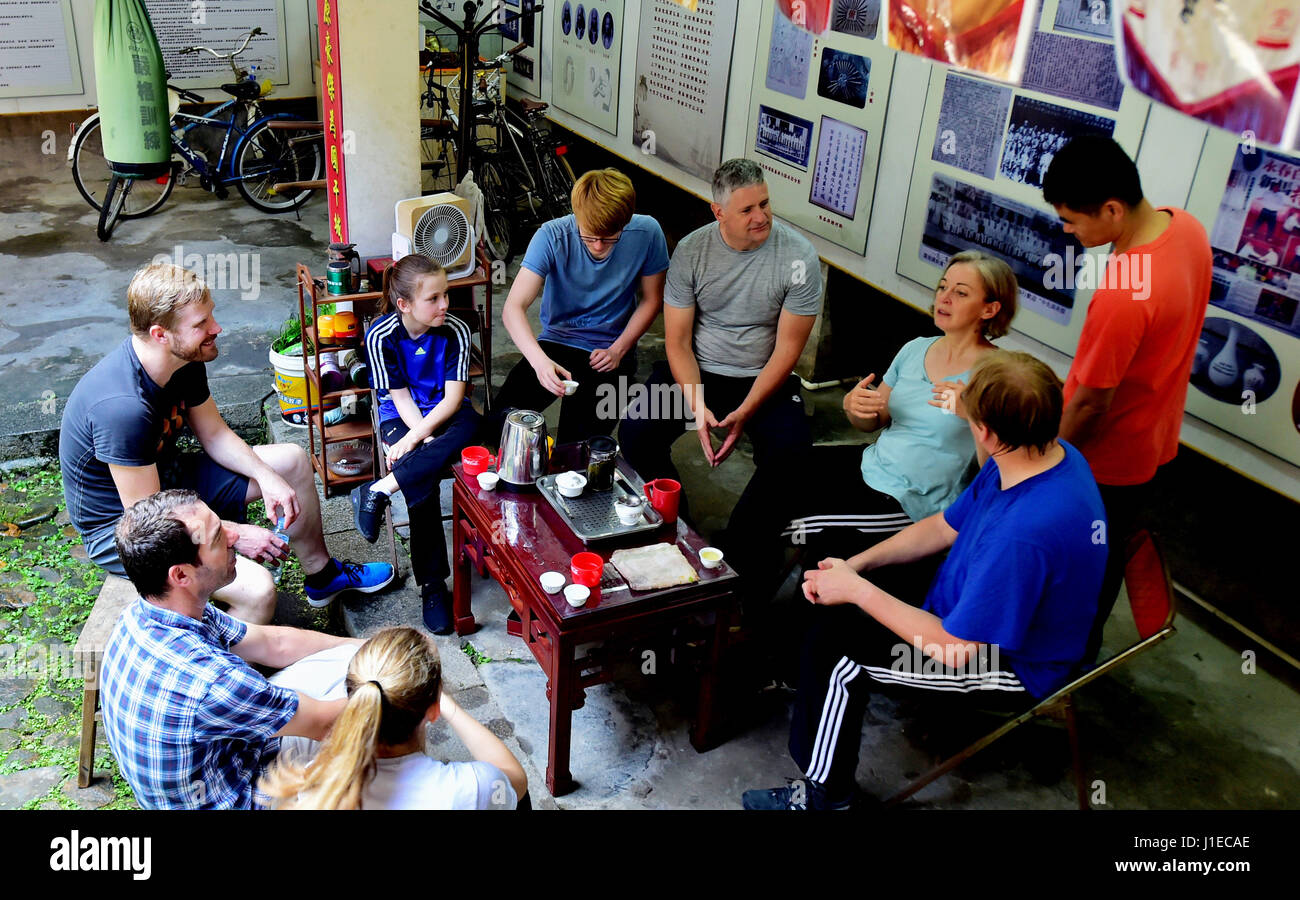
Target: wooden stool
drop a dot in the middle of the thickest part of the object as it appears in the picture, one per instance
(115, 596)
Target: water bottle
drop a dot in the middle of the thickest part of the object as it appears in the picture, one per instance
(277, 568)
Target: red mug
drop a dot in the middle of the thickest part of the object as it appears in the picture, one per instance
(663, 494)
(475, 460)
(587, 568)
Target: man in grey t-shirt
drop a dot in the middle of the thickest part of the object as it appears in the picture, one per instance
(739, 303)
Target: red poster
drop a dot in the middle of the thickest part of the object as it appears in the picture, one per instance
(332, 112)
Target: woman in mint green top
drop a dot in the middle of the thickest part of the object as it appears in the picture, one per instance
(924, 455)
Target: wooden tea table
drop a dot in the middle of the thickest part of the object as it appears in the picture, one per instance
(515, 536)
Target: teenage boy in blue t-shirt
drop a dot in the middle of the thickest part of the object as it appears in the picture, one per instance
(587, 268)
(1008, 616)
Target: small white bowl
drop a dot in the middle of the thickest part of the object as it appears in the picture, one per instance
(570, 484)
(552, 582)
(577, 594)
(570, 387)
(627, 515)
(488, 480)
(710, 557)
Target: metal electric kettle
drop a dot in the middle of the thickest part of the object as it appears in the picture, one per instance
(524, 455)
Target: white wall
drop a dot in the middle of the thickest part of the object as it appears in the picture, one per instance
(299, 34)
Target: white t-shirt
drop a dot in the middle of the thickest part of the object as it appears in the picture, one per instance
(415, 781)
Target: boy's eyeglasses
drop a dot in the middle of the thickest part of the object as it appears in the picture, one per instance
(591, 241)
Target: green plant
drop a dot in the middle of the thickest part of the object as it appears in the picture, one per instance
(291, 332)
(476, 656)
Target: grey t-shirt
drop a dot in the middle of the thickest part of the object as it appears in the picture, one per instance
(738, 295)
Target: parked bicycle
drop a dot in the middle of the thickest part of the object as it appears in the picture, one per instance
(269, 158)
(518, 165)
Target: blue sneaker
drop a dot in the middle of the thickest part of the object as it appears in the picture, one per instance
(364, 578)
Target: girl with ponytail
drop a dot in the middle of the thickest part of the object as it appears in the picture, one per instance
(373, 757)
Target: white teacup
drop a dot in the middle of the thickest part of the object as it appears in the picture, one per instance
(570, 387)
(710, 557)
(488, 480)
(552, 582)
(628, 514)
(577, 594)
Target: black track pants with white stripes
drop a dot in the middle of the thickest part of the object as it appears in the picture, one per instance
(847, 655)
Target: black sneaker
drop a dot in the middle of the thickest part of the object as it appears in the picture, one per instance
(368, 510)
(800, 795)
(437, 607)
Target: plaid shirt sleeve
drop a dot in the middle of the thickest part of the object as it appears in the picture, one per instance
(242, 705)
(226, 627)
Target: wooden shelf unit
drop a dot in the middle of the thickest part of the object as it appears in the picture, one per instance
(319, 435)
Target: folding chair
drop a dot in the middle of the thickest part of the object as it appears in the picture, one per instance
(1151, 600)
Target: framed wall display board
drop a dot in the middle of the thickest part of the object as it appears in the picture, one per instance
(40, 49)
(587, 42)
(816, 118)
(1246, 377)
(525, 69)
(224, 23)
(976, 184)
(683, 64)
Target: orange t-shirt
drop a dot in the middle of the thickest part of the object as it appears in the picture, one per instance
(1143, 347)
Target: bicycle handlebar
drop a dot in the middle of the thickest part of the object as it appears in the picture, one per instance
(228, 57)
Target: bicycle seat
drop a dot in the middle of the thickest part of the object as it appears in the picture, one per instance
(243, 90)
(533, 105)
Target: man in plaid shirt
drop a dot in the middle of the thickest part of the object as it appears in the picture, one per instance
(191, 722)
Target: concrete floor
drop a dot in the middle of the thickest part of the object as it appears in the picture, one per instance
(1190, 725)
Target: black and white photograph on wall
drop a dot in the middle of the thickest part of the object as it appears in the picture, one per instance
(1077, 69)
(1038, 130)
(1085, 17)
(1233, 364)
(1256, 240)
(790, 58)
(784, 137)
(971, 118)
(857, 17)
(962, 217)
(838, 172)
(844, 77)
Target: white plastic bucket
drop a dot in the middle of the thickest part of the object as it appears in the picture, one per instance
(291, 387)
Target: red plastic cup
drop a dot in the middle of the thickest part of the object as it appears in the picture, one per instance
(476, 459)
(587, 568)
(664, 495)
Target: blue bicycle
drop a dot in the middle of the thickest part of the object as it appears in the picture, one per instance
(273, 160)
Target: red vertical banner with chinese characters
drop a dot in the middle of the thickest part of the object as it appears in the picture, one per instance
(332, 113)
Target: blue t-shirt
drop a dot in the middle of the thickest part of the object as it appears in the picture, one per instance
(423, 365)
(587, 302)
(922, 459)
(1026, 568)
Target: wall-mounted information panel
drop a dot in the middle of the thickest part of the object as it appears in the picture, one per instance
(983, 149)
(816, 120)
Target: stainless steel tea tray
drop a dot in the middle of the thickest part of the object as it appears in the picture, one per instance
(591, 515)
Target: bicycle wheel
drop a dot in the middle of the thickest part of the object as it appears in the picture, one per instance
(497, 212)
(271, 156)
(115, 195)
(558, 179)
(92, 174)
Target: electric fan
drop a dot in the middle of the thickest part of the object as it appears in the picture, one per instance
(437, 226)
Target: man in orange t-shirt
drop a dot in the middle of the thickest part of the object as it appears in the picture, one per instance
(1126, 389)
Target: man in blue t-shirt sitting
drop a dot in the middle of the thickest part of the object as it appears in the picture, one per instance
(587, 268)
(1005, 621)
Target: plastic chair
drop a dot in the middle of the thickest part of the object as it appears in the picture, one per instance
(1151, 601)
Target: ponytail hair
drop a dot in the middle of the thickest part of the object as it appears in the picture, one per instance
(392, 681)
(400, 279)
